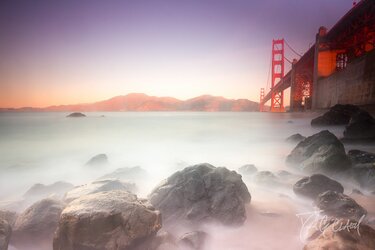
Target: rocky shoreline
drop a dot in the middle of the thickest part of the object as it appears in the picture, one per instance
(337, 186)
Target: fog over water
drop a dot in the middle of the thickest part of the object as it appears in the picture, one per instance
(48, 147)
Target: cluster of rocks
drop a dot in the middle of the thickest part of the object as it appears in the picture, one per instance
(323, 157)
(360, 125)
(106, 214)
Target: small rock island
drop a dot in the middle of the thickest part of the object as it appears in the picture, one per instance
(76, 114)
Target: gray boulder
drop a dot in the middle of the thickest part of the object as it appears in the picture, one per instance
(98, 161)
(107, 220)
(360, 127)
(316, 184)
(248, 169)
(202, 193)
(5, 233)
(319, 153)
(37, 224)
(337, 115)
(339, 205)
(295, 138)
(98, 186)
(40, 191)
(266, 178)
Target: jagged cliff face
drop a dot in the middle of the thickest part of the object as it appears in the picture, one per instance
(142, 102)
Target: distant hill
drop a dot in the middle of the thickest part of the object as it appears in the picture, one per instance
(143, 102)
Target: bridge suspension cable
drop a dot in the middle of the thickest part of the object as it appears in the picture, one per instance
(290, 47)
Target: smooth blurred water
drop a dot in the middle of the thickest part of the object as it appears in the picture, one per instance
(46, 147)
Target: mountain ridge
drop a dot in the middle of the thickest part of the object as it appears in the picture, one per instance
(143, 103)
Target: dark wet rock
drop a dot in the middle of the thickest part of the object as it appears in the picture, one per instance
(133, 173)
(339, 205)
(248, 169)
(37, 224)
(9, 216)
(40, 191)
(319, 153)
(316, 184)
(337, 115)
(193, 240)
(360, 127)
(363, 175)
(107, 220)
(98, 186)
(361, 157)
(5, 233)
(296, 138)
(342, 235)
(76, 114)
(98, 160)
(202, 193)
(266, 178)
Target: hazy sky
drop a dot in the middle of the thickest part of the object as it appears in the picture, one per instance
(64, 52)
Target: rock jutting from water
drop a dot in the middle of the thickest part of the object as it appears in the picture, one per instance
(40, 191)
(37, 224)
(107, 220)
(202, 193)
(248, 169)
(319, 153)
(340, 206)
(312, 186)
(337, 115)
(98, 161)
(360, 127)
(295, 138)
(76, 114)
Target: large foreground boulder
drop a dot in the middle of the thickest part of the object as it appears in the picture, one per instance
(37, 224)
(314, 185)
(5, 233)
(343, 235)
(319, 153)
(107, 220)
(98, 186)
(202, 193)
(337, 115)
(360, 127)
(339, 205)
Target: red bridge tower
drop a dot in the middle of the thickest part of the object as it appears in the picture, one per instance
(277, 100)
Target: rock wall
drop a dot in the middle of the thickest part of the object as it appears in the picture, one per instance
(354, 85)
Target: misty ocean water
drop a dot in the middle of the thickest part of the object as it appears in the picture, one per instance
(47, 147)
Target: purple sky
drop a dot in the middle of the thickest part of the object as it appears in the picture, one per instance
(61, 52)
